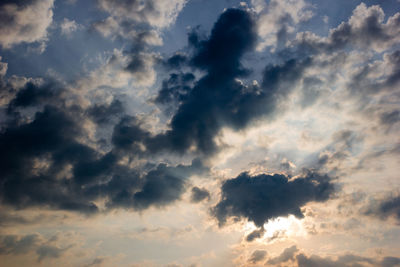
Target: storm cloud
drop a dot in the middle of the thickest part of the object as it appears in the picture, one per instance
(219, 99)
(263, 197)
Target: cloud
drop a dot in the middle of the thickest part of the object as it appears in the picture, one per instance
(104, 113)
(199, 194)
(110, 27)
(48, 160)
(391, 117)
(286, 255)
(219, 98)
(263, 197)
(343, 261)
(12, 244)
(370, 79)
(25, 244)
(156, 13)
(162, 186)
(257, 256)
(277, 19)
(384, 208)
(390, 262)
(3, 68)
(175, 90)
(49, 252)
(24, 21)
(258, 233)
(139, 22)
(68, 27)
(364, 29)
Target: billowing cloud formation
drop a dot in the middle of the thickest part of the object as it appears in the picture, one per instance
(98, 143)
(24, 21)
(364, 29)
(278, 19)
(220, 99)
(140, 22)
(263, 197)
(47, 160)
(156, 13)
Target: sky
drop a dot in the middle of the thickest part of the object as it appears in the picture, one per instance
(200, 133)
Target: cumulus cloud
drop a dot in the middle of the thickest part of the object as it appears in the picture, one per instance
(219, 99)
(47, 160)
(156, 13)
(141, 23)
(364, 29)
(263, 197)
(278, 19)
(24, 21)
(110, 27)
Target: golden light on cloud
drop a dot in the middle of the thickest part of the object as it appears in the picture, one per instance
(278, 228)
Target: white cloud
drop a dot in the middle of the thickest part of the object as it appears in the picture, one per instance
(110, 27)
(68, 27)
(26, 23)
(3, 68)
(156, 13)
(277, 18)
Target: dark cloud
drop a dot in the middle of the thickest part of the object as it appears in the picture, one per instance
(390, 262)
(199, 194)
(17, 245)
(210, 104)
(12, 244)
(347, 260)
(385, 208)
(129, 135)
(286, 255)
(175, 89)
(390, 118)
(255, 234)
(44, 162)
(47, 251)
(103, 113)
(219, 99)
(257, 256)
(263, 197)
(32, 94)
(161, 187)
(176, 61)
